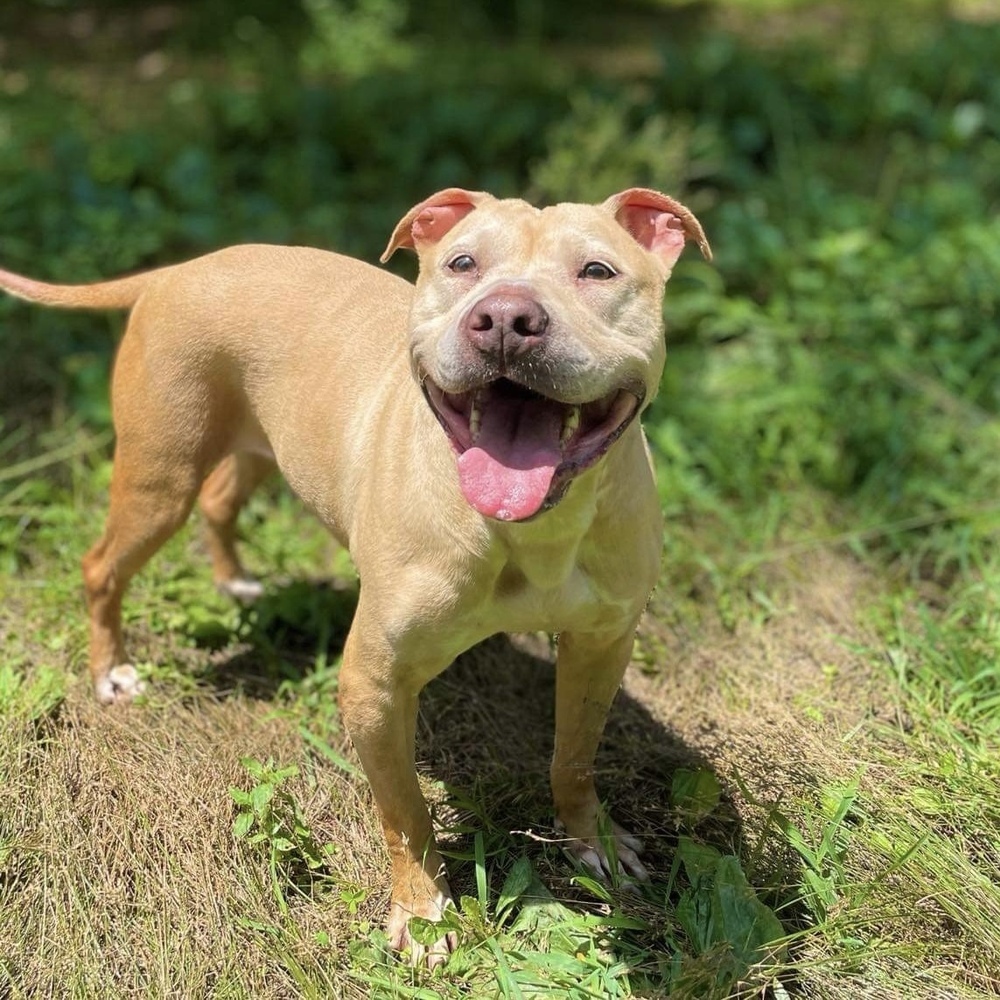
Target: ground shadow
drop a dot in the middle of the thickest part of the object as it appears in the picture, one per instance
(486, 723)
(283, 635)
(486, 731)
(485, 734)
(484, 743)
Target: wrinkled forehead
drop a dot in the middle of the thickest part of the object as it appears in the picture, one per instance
(516, 231)
(581, 230)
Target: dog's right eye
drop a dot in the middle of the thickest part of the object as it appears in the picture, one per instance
(462, 264)
(597, 270)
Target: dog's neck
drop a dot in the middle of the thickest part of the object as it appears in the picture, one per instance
(546, 549)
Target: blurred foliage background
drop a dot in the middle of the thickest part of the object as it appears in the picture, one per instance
(838, 367)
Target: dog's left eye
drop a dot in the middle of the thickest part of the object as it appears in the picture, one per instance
(597, 270)
(462, 264)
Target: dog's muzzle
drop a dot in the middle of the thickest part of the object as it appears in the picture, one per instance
(518, 450)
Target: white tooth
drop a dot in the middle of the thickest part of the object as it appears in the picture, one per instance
(475, 417)
(570, 424)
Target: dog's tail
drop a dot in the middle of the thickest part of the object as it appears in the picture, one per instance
(119, 293)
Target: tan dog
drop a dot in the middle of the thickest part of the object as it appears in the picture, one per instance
(487, 473)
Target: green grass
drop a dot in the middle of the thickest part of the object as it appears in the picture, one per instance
(808, 740)
(881, 867)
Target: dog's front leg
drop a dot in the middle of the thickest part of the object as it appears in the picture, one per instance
(589, 671)
(378, 700)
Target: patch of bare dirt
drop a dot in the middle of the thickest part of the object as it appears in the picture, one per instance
(775, 702)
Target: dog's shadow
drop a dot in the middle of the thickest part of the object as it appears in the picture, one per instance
(282, 637)
(486, 722)
(485, 739)
(486, 732)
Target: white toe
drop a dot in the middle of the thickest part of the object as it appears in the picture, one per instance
(243, 589)
(119, 686)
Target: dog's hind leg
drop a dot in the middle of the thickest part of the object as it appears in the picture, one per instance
(149, 502)
(164, 420)
(222, 496)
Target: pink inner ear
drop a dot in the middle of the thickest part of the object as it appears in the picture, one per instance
(435, 220)
(659, 231)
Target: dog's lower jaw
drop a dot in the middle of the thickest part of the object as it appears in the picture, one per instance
(518, 449)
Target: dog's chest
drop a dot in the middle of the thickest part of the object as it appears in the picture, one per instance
(554, 589)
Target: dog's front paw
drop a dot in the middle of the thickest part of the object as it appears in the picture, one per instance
(119, 685)
(400, 939)
(609, 857)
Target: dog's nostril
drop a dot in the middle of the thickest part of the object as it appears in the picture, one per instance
(530, 323)
(481, 322)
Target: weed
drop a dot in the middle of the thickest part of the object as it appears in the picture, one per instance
(824, 871)
(32, 694)
(269, 816)
(722, 916)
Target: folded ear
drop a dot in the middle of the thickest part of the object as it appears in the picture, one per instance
(658, 223)
(432, 218)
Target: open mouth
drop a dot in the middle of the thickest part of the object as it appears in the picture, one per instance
(517, 449)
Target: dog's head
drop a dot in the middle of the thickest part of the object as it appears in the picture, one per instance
(537, 334)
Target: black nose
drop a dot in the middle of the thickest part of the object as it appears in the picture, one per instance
(505, 321)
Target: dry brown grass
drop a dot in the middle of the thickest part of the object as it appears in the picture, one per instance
(123, 879)
(128, 881)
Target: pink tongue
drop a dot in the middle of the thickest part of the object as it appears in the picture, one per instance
(507, 473)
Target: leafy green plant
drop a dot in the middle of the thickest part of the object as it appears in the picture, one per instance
(823, 850)
(27, 693)
(694, 795)
(353, 39)
(721, 914)
(269, 817)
